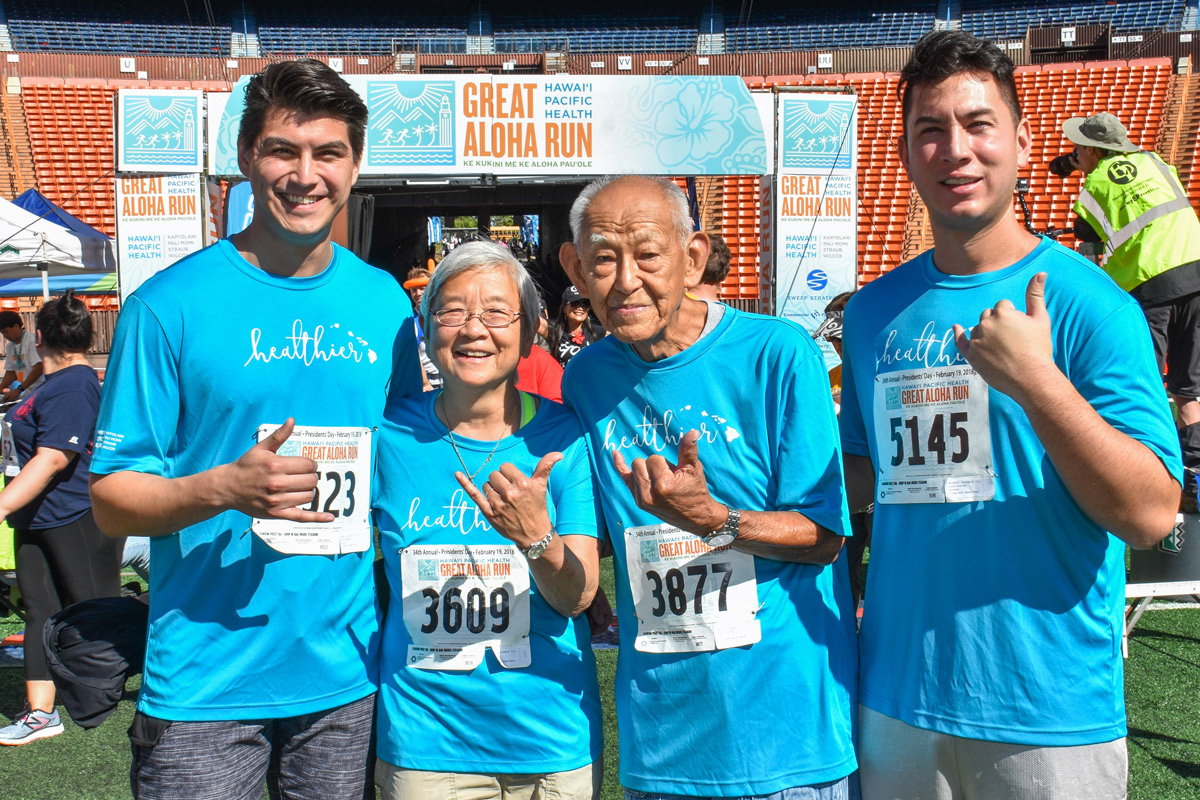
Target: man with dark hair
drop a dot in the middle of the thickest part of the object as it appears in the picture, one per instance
(715, 270)
(261, 652)
(1015, 435)
(1133, 202)
(21, 359)
(724, 502)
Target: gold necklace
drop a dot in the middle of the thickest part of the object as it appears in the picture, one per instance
(470, 475)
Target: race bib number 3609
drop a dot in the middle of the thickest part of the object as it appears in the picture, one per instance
(343, 457)
(688, 596)
(933, 436)
(460, 600)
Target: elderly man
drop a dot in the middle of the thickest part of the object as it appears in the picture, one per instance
(723, 499)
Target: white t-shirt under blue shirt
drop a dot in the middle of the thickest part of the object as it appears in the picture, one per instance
(761, 702)
(994, 606)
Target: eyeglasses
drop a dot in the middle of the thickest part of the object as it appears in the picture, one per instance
(490, 317)
(580, 304)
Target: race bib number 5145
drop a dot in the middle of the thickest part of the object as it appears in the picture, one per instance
(933, 436)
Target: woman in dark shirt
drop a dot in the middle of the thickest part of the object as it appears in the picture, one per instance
(62, 557)
(575, 328)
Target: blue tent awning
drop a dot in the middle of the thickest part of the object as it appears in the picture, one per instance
(36, 203)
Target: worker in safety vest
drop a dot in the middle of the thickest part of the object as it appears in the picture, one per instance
(1132, 201)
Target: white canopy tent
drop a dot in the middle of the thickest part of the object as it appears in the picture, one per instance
(30, 245)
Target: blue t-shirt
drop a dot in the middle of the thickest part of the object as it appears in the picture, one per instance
(204, 353)
(544, 717)
(744, 720)
(61, 413)
(996, 619)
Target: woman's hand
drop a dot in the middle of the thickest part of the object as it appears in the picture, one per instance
(515, 504)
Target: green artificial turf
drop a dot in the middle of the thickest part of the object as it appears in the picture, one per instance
(1162, 699)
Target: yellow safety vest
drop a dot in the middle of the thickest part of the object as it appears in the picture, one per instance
(1137, 205)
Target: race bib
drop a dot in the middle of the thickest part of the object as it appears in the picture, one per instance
(343, 457)
(933, 436)
(8, 450)
(460, 600)
(688, 597)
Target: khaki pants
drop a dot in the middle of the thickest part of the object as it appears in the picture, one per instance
(899, 762)
(396, 783)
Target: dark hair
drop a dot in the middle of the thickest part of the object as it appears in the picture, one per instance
(558, 328)
(10, 318)
(717, 266)
(305, 86)
(65, 324)
(940, 54)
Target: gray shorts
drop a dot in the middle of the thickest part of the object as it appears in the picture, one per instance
(321, 756)
(899, 762)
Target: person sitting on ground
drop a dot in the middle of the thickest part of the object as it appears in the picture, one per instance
(487, 680)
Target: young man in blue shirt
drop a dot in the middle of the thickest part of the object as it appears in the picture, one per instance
(261, 653)
(1000, 400)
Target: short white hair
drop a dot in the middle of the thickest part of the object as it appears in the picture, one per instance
(484, 255)
(677, 205)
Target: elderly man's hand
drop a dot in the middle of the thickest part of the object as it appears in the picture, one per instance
(1011, 348)
(675, 493)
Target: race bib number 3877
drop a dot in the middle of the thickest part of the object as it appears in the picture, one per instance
(933, 436)
(688, 596)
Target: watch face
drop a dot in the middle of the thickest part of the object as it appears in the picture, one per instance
(718, 539)
(535, 550)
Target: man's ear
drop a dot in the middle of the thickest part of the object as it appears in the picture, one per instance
(698, 248)
(572, 264)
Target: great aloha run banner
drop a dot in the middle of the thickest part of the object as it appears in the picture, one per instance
(816, 206)
(539, 125)
(159, 221)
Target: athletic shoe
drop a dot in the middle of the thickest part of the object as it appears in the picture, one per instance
(29, 726)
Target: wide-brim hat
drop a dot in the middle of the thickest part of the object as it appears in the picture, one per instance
(1101, 130)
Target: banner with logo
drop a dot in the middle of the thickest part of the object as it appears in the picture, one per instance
(541, 125)
(816, 206)
(159, 221)
(160, 130)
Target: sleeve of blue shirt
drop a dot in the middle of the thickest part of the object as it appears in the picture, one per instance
(65, 421)
(1116, 372)
(139, 410)
(809, 460)
(406, 364)
(850, 421)
(573, 491)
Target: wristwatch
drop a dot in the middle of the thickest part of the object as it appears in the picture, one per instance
(538, 548)
(727, 532)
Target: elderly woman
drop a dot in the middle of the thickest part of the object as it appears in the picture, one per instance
(490, 539)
